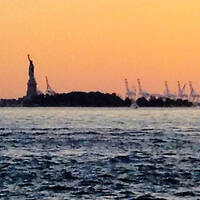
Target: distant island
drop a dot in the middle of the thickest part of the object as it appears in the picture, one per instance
(91, 99)
(72, 99)
(35, 98)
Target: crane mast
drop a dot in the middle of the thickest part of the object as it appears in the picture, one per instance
(167, 92)
(181, 91)
(129, 93)
(49, 90)
(139, 85)
(193, 96)
(141, 92)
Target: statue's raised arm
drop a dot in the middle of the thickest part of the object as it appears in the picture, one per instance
(29, 57)
(31, 68)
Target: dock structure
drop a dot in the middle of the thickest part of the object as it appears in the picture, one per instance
(181, 94)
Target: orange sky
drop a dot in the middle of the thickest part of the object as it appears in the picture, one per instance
(94, 44)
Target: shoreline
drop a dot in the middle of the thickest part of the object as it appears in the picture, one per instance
(93, 99)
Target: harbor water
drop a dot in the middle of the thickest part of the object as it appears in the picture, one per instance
(99, 153)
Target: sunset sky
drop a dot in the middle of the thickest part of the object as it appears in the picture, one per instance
(90, 45)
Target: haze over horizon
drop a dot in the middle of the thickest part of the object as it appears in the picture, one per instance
(93, 45)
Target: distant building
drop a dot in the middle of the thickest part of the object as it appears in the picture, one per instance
(31, 85)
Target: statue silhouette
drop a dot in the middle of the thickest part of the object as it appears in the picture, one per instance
(31, 85)
(31, 68)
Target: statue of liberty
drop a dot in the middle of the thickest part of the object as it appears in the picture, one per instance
(32, 85)
(31, 68)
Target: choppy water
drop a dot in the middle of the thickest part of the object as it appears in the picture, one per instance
(99, 153)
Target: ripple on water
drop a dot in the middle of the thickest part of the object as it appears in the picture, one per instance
(117, 154)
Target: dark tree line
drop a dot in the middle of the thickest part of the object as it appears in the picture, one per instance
(92, 99)
(83, 99)
(162, 102)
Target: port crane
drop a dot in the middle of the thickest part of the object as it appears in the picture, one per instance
(129, 93)
(167, 92)
(49, 90)
(181, 91)
(193, 96)
(141, 92)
